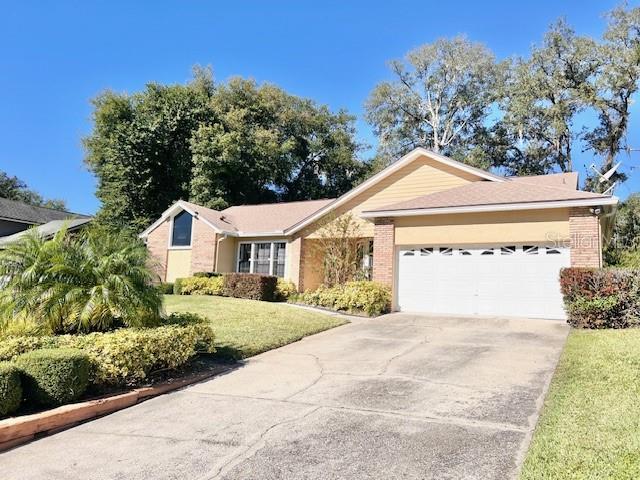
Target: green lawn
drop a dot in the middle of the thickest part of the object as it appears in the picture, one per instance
(590, 424)
(246, 327)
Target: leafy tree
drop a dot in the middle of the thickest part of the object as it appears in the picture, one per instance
(217, 145)
(78, 283)
(624, 247)
(540, 102)
(15, 189)
(611, 91)
(139, 149)
(265, 145)
(440, 98)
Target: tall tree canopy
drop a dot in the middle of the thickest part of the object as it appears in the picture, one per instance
(13, 188)
(218, 145)
(542, 96)
(528, 115)
(266, 145)
(140, 151)
(439, 99)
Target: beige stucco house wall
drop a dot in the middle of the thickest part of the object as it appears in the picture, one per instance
(422, 175)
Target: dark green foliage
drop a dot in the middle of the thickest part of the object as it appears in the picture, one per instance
(217, 145)
(54, 376)
(601, 298)
(139, 149)
(15, 189)
(207, 274)
(95, 280)
(624, 248)
(10, 389)
(250, 285)
(166, 288)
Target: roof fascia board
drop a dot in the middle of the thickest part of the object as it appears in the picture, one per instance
(394, 167)
(491, 208)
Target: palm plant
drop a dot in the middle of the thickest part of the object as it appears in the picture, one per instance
(92, 281)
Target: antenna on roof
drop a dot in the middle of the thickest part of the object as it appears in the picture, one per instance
(606, 176)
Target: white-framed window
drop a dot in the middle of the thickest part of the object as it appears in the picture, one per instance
(365, 257)
(267, 258)
(181, 229)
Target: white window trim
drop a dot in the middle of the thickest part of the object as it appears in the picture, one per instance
(272, 258)
(170, 239)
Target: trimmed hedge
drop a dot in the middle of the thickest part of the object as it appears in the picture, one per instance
(52, 377)
(285, 290)
(10, 388)
(207, 274)
(202, 286)
(126, 356)
(601, 298)
(370, 298)
(251, 286)
(166, 288)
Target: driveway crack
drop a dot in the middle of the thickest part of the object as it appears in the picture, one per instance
(255, 446)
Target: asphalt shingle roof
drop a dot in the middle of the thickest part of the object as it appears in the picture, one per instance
(22, 212)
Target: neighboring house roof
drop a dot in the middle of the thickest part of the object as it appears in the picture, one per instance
(563, 180)
(23, 213)
(272, 217)
(487, 196)
(491, 192)
(48, 229)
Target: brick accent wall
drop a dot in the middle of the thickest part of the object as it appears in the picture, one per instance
(203, 247)
(383, 251)
(586, 246)
(157, 242)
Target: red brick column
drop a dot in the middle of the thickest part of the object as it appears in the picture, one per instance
(383, 251)
(157, 242)
(586, 245)
(203, 247)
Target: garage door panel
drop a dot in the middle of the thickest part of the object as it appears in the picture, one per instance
(508, 280)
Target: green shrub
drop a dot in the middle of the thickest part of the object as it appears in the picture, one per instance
(202, 286)
(250, 285)
(177, 286)
(95, 280)
(370, 298)
(207, 274)
(285, 290)
(55, 376)
(10, 388)
(166, 288)
(601, 298)
(128, 355)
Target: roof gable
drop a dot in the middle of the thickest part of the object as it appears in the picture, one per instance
(447, 164)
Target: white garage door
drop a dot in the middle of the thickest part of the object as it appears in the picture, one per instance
(505, 280)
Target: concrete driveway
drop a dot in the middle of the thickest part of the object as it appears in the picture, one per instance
(400, 396)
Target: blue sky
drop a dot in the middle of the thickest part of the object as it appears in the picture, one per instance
(56, 56)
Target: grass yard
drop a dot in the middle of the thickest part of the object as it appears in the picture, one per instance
(246, 327)
(590, 424)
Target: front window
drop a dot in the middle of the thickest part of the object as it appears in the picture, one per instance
(365, 254)
(244, 258)
(181, 234)
(267, 258)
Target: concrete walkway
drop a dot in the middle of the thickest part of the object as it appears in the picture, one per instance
(400, 396)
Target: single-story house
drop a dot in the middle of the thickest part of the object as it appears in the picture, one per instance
(444, 236)
(17, 217)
